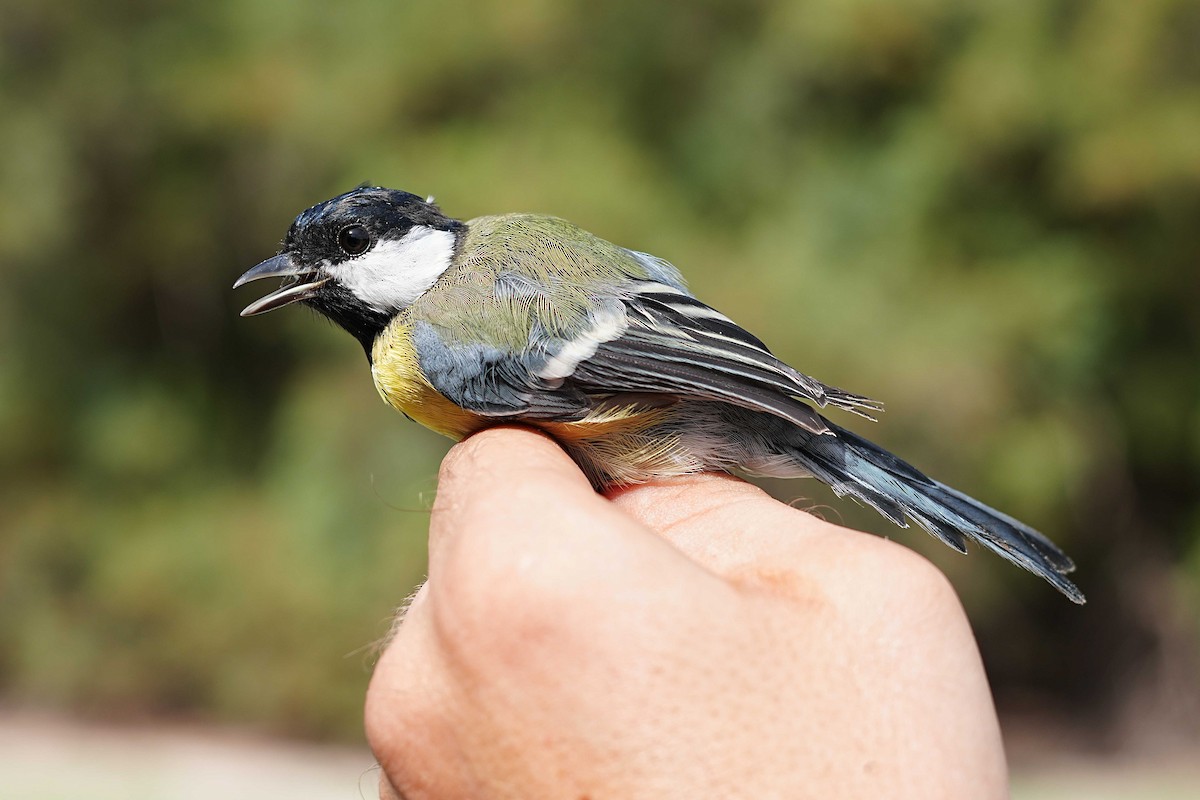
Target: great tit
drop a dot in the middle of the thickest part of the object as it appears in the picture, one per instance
(528, 318)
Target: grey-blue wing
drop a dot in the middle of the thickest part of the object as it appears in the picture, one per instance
(673, 343)
(493, 381)
(647, 337)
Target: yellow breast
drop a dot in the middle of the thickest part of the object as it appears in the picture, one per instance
(403, 386)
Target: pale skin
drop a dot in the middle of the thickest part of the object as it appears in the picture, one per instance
(686, 639)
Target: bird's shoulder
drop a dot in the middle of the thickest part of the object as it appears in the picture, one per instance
(518, 279)
(548, 248)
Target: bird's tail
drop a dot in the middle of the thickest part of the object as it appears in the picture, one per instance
(853, 466)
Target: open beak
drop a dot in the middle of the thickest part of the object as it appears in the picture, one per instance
(299, 283)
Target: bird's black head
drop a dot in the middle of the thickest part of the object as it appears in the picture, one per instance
(359, 258)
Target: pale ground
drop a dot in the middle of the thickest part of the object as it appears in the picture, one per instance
(51, 758)
(48, 758)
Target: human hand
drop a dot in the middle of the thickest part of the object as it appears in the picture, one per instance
(685, 639)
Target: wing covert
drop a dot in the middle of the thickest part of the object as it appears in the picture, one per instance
(651, 338)
(490, 380)
(676, 344)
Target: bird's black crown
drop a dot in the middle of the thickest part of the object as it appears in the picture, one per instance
(383, 213)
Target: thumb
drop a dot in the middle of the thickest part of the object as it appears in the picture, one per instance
(515, 520)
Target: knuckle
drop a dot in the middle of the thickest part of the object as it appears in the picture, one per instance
(911, 584)
(915, 573)
(490, 447)
(481, 468)
(466, 457)
(879, 581)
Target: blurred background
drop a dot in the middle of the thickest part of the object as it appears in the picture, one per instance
(985, 214)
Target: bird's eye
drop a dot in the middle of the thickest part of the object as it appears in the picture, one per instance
(354, 240)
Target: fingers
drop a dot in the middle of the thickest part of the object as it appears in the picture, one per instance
(518, 535)
(498, 475)
(532, 576)
(386, 790)
(754, 542)
(717, 500)
(722, 522)
(408, 682)
(562, 636)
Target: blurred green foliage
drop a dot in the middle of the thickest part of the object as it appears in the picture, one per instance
(986, 214)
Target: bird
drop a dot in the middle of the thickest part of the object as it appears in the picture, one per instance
(530, 319)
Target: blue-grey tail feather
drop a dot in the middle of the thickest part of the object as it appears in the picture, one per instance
(853, 466)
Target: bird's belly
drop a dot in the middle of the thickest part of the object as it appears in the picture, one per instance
(616, 448)
(430, 408)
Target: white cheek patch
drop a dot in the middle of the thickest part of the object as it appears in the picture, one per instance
(394, 273)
